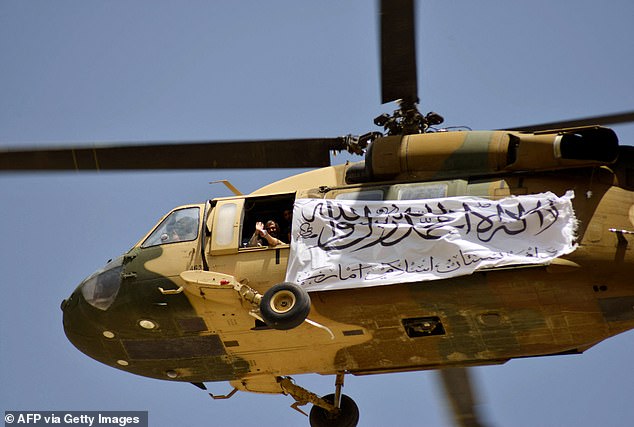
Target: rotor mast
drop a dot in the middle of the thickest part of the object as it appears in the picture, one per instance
(398, 70)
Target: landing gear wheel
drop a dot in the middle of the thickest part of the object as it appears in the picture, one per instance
(348, 415)
(285, 306)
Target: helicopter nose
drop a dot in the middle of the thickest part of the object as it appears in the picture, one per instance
(101, 288)
(89, 303)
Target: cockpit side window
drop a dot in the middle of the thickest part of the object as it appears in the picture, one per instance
(180, 226)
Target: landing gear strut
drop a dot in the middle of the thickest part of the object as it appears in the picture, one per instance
(332, 410)
(346, 413)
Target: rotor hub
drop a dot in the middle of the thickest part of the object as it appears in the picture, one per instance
(407, 120)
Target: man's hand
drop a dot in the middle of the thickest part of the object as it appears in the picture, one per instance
(259, 228)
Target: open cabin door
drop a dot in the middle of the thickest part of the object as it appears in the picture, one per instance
(232, 225)
(225, 227)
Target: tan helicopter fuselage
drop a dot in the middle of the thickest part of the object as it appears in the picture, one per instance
(154, 328)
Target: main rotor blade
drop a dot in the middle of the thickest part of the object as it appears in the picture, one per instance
(609, 119)
(459, 392)
(398, 51)
(292, 153)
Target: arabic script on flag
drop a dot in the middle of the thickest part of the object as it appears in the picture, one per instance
(338, 244)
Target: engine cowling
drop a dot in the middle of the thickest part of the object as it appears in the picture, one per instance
(443, 155)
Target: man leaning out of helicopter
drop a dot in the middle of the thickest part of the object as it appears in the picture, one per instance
(265, 235)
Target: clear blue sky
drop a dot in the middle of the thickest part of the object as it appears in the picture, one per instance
(93, 71)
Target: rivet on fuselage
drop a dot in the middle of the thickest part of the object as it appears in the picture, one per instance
(147, 324)
(171, 373)
(122, 362)
(108, 334)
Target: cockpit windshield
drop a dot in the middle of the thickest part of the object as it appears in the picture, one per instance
(179, 226)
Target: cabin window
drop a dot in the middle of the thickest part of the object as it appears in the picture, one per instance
(419, 192)
(223, 231)
(361, 195)
(277, 208)
(179, 226)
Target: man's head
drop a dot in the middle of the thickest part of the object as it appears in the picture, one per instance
(272, 228)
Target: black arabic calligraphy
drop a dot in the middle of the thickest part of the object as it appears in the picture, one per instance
(334, 226)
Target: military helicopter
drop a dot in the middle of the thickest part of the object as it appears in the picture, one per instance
(360, 178)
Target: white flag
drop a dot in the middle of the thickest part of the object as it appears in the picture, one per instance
(338, 244)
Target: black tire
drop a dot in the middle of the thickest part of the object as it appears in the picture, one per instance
(285, 306)
(348, 415)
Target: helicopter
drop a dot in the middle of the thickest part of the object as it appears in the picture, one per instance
(326, 335)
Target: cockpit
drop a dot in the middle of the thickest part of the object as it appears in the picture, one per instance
(100, 289)
(179, 226)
